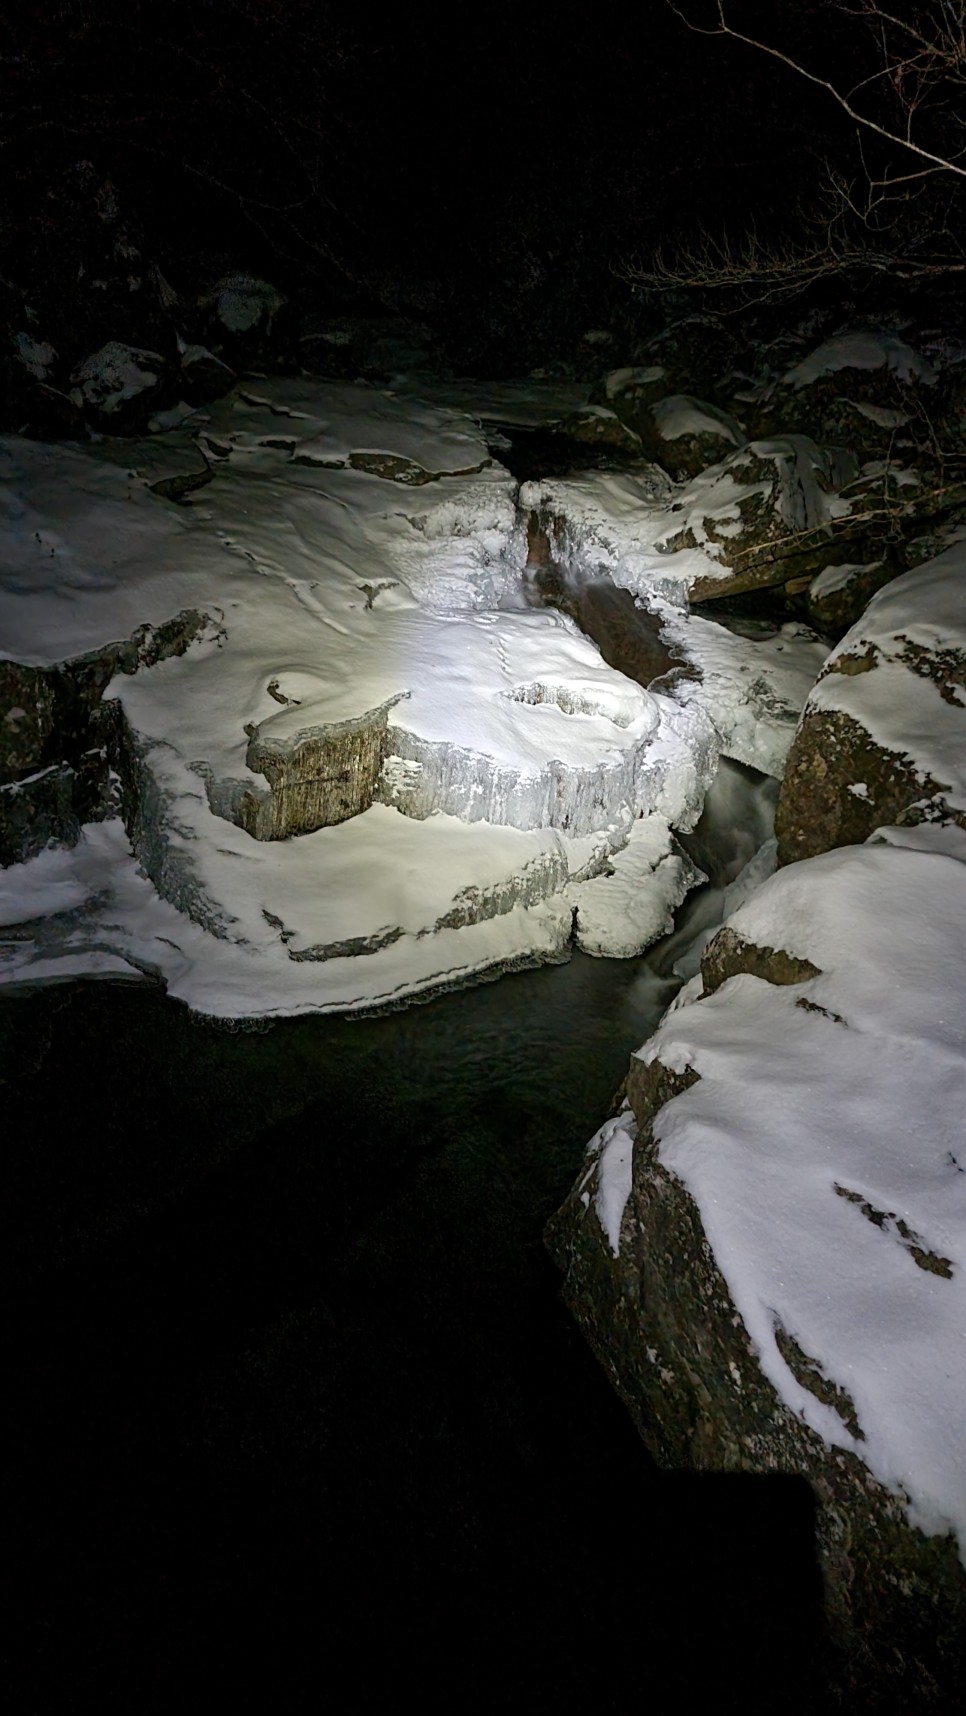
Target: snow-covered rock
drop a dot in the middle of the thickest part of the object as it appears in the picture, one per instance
(770, 1258)
(760, 513)
(632, 902)
(119, 385)
(866, 389)
(248, 320)
(838, 595)
(883, 733)
(298, 685)
(686, 435)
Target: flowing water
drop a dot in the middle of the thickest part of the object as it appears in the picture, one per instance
(293, 1384)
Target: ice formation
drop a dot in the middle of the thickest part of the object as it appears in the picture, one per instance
(353, 563)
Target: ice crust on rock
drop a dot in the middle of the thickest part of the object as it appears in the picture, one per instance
(388, 590)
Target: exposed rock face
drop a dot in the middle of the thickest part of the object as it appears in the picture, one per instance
(883, 735)
(316, 780)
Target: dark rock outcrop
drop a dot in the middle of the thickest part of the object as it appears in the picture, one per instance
(58, 738)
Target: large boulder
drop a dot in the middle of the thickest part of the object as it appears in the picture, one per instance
(882, 738)
(685, 434)
(767, 1246)
(765, 514)
(119, 387)
(864, 389)
(249, 324)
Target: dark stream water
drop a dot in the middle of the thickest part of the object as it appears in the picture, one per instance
(298, 1417)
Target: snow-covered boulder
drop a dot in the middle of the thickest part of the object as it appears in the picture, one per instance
(685, 435)
(837, 596)
(202, 376)
(598, 426)
(767, 1248)
(859, 388)
(696, 354)
(763, 515)
(247, 321)
(118, 387)
(882, 737)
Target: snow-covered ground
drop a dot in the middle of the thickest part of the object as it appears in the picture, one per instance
(358, 557)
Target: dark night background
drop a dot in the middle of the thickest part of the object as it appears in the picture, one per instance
(485, 170)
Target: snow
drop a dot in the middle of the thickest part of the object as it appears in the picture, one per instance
(679, 415)
(79, 907)
(904, 710)
(859, 350)
(632, 904)
(518, 764)
(612, 1150)
(823, 1147)
(622, 380)
(833, 578)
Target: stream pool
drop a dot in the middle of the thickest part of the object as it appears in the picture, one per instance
(299, 1418)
